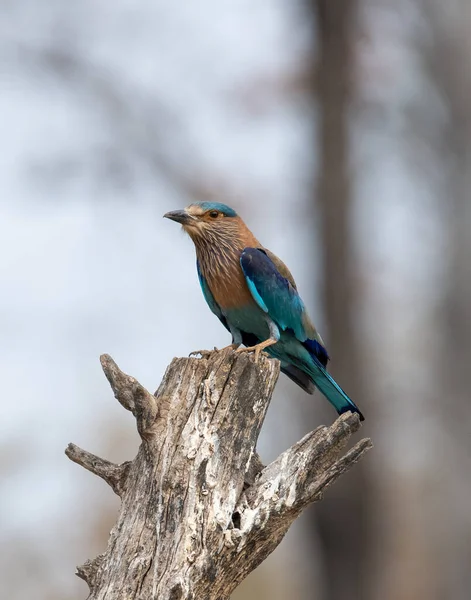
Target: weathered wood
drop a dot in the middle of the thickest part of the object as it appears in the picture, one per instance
(198, 510)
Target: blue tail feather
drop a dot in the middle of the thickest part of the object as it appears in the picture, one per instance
(333, 392)
(308, 371)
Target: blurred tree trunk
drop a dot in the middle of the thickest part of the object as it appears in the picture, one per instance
(342, 522)
(449, 67)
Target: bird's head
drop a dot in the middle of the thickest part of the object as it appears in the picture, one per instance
(206, 221)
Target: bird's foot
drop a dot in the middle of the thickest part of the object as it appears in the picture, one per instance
(207, 353)
(258, 348)
(255, 349)
(231, 346)
(203, 353)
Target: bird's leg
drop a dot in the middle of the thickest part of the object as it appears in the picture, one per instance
(236, 338)
(273, 339)
(258, 347)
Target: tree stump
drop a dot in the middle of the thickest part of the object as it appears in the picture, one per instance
(199, 511)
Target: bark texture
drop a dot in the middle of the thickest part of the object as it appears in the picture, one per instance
(199, 511)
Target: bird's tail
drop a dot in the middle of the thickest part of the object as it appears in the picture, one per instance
(333, 392)
(304, 380)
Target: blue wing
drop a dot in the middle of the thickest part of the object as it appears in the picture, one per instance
(272, 292)
(273, 289)
(276, 294)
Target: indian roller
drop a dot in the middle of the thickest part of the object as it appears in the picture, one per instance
(255, 297)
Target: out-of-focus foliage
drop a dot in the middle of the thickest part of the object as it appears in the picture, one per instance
(354, 166)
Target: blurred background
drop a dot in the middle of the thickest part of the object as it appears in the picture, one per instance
(340, 131)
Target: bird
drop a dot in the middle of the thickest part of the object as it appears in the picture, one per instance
(254, 295)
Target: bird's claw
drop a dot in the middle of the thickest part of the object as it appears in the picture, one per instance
(230, 347)
(203, 353)
(255, 350)
(258, 349)
(207, 353)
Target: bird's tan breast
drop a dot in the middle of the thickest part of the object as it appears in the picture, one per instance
(227, 284)
(219, 261)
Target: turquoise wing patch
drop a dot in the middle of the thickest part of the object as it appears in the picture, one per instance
(273, 293)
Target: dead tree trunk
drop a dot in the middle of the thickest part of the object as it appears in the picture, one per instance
(198, 510)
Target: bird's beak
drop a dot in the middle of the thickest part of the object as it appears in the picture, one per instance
(180, 216)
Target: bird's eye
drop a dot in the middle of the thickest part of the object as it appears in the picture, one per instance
(214, 214)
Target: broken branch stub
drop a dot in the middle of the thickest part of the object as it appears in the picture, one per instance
(198, 510)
